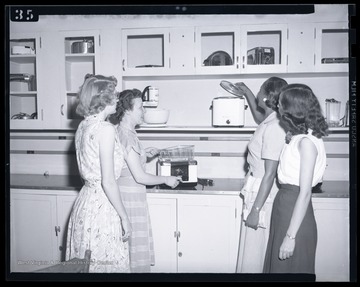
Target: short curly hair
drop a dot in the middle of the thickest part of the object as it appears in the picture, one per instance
(124, 104)
(95, 94)
(272, 88)
(301, 110)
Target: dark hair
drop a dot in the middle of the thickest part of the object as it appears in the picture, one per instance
(301, 110)
(124, 104)
(95, 94)
(272, 88)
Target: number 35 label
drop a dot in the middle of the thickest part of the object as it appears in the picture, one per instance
(19, 14)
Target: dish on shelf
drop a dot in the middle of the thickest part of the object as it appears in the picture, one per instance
(152, 125)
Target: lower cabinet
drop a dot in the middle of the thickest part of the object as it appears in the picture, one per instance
(332, 251)
(38, 227)
(195, 233)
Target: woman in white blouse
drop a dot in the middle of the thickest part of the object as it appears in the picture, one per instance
(293, 231)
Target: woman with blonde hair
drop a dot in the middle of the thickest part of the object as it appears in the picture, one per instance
(98, 221)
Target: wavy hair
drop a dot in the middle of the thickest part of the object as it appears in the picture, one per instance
(272, 88)
(124, 104)
(301, 111)
(95, 94)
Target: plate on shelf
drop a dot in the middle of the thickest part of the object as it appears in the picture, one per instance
(152, 125)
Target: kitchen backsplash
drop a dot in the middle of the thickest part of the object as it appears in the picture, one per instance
(219, 155)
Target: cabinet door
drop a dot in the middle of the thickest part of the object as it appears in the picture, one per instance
(32, 224)
(210, 40)
(80, 56)
(332, 250)
(145, 51)
(301, 47)
(64, 207)
(332, 47)
(182, 50)
(263, 48)
(26, 72)
(208, 227)
(163, 221)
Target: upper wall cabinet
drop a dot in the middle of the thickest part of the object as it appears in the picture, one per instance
(217, 50)
(80, 54)
(26, 94)
(263, 48)
(332, 47)
(158, 51)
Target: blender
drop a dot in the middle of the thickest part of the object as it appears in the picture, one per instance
(332, 107)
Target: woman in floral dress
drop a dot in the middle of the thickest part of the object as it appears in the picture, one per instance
(98, 220)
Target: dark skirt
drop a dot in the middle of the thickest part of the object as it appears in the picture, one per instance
(303, 259)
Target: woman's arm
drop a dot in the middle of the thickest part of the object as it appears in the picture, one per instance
(251, 100)
(308, 154)
(267, 182)
(142, 177)
(108, 181)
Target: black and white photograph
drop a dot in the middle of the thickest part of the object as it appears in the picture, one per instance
(187, 143)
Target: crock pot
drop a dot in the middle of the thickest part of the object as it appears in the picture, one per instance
(228, 112)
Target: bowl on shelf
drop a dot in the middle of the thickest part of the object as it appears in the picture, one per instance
(156, 116)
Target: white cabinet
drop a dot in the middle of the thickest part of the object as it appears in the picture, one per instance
(38, 226)
(80, 54)
(210, 40)
(195, 233)
(263, 48)
(26, 87)
(301, 47)
(332, 47)
(332, 250)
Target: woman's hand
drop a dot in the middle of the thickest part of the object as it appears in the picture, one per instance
(126, 229)
(173, 181)
(243, 88)
(252, 220)
(152, 151)
(287, 248)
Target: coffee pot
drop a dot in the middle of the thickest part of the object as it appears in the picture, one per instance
(150, 97)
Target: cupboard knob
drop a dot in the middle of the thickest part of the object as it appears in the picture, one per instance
(60, 248)
(180, 254)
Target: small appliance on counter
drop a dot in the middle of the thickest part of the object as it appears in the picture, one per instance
(150, 97)
(333, 112)
(179, 161)
(229, 111)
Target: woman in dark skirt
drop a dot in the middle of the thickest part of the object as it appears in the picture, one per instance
(293, 233)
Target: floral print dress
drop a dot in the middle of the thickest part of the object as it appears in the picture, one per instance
(94, 224)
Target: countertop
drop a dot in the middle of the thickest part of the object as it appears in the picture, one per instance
(329, 189)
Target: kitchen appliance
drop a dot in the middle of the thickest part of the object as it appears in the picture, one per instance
(150, 97)
(218, 58)
(261, 56)
(178, 161)
(22, 50)
(229, 111)
(27, 78)
(82, 47)
(332, 107)
(156, 116)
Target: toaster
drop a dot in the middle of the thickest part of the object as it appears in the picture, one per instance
(228, 112)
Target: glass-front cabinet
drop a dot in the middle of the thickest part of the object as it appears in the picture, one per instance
(80, 57)
(217, 50)
(26, 106)
(145, 51)
(332, 47)
(263, 48)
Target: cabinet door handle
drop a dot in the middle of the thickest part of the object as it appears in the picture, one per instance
(180, 254)
(243, 62)
(57, 230)
(123, 64)
(237, 62)
(62, 109)
(60, 248)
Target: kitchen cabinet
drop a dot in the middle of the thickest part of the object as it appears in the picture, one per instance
(332, 47)
(195, 233)
(80, 56)
(263, 48)
(26, 87)
(332, 250)
(38, 226)
(210, 40)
